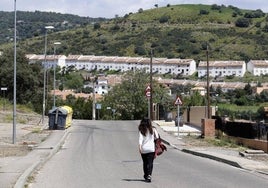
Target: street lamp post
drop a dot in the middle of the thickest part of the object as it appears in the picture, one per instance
(54, 74)
(15, 75)
(44, 65)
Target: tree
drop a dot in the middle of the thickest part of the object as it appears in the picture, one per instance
(140, 10)
(139, 50)
(196, 99)
(128, 98)
(215, 7)
(164, 19)
(242, 22)
(203, 12)
(29, 79)
(248, 89)
(74, 81)
(97, 26)
(265, 28)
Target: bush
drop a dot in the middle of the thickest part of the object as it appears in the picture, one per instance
(242, 22)
(164, 19)
(254, 14)
(203, 12)
(265, 28)
(215, 7)
(97, 26)
(139, 50)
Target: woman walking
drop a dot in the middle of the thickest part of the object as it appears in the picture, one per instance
(147, 135)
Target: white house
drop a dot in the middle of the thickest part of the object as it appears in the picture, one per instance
(222, 68)
(258, 67)
(48, 61)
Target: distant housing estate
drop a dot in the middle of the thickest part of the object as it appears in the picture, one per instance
(184, 67)
(222, 68)
(258, 67)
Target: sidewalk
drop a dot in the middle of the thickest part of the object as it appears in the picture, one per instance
(15, 170)
(169, 133)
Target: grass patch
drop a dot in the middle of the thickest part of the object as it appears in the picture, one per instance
(7, 118)
(234, 107)
(222, 142)
(37, 130)
(225, 142)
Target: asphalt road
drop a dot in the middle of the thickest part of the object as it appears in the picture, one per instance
(105, 154)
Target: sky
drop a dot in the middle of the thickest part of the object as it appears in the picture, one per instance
(110, 8)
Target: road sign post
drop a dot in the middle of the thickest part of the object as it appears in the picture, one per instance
(178, 102)
(4, 89)
(148, 95)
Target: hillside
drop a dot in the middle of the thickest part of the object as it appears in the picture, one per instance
(177, 31)
(31, 24)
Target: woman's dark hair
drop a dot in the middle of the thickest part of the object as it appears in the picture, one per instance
(145, 125)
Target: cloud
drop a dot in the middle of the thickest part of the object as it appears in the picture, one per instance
(110, 8)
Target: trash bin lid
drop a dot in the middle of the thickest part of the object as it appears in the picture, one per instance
(68, 109)
(60, 110)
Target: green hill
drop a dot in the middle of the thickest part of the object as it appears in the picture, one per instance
(32, 24)
(178, 31)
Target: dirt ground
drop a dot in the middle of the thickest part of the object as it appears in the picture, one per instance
(29, 132)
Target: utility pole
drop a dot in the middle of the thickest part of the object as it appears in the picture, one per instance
(151, 85)
(94, 99)
(208, 89)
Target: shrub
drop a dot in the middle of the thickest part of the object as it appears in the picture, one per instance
(139, 50)
(97, 26)
(164, 19)
(203, 12)
(242, 22)
(215, 7)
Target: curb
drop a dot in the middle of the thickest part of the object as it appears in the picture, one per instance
(204, 155)
(232, 163)
(23, 178)
(212, 157)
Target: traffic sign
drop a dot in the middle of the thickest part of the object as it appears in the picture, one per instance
(148, 91)
(148, 94)
(178, 101)
(148, 88)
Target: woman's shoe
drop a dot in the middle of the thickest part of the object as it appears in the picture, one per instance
(149, 178)
(145, 177)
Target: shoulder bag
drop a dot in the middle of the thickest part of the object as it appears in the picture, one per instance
(159, 146)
